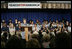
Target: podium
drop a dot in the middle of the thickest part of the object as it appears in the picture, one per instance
(26, 29)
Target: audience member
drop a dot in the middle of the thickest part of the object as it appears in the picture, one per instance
(12, 29)
(14, 42)
(62, 41)
(33, 43)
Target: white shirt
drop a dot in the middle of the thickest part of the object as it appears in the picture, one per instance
(1, 25)
(52, 33)
(69, 29)
(34, 29)
(32, 25)
(48, 24)
(35, 32)
(12, 30)
(23, 35)
(37, 28)
(54, 25)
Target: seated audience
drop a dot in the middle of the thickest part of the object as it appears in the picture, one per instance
(46, 35)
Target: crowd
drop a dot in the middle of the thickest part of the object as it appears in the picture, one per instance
(56, 34)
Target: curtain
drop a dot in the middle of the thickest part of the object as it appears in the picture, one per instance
(34, 16)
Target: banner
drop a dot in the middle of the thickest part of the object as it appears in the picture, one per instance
(24, 5)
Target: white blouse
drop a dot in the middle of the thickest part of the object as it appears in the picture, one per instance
(69, 29)
(12, 30)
